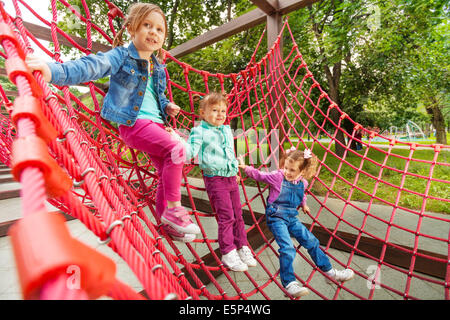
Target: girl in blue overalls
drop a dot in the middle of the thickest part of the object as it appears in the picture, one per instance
(286, 194)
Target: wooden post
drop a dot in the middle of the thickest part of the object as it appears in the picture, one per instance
(274, 25)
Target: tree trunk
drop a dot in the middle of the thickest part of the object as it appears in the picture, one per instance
(173, 15)
(229, 10)
(333, 78)
(335, 115)
(438, 121)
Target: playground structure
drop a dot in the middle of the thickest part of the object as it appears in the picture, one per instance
(410, 132)
(64, 153)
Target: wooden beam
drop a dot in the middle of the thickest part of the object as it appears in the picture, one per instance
(394, 256)
(370, 246)
(5, 226)
(287, 6)
(268, 6)
(239, 24)
(44, 33)
(254, 239)
(10, 93)
(367, 245)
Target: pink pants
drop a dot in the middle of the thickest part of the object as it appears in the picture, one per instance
(165, 152)
(225, 199)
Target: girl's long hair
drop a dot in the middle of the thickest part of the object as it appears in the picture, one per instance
(136, 14)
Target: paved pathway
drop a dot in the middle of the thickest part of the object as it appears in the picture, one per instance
(9, 288)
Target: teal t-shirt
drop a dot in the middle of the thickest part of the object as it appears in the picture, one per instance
(149, 108)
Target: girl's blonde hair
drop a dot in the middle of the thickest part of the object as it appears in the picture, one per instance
(136, 14)
(308, 167)
(212, 99)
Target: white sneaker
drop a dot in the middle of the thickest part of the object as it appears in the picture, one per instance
(247, 257)
(232, 261)
(340, 275)
(295, 290)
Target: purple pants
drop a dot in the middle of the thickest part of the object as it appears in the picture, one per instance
(225, 200)
(166, 155)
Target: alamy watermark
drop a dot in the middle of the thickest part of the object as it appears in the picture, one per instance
(73, 281)
(374, 279)
(374, 20)
(260, 147)
(72, 21)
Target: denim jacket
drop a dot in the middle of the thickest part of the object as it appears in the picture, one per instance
(128, 81)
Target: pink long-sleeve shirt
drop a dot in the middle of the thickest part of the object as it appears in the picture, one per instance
(274, 179)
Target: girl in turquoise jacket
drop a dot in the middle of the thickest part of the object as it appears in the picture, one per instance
(213, 143)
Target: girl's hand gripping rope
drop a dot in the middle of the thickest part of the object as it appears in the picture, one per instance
(172, 109)
(38, 64)
(242, 164)
(306, 209)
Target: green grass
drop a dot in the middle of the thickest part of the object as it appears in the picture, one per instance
(341, 178)
(388, 176)
(334, 173)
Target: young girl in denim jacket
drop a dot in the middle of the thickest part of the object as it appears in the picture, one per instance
(136, 101)
(286, 193)
(213, 142)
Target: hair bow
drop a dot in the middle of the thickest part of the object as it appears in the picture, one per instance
(290, 150)
(307, 154)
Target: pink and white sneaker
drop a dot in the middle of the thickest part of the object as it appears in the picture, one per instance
(180, 220)
(178, 236)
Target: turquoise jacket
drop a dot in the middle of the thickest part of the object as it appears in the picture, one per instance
(215, 149)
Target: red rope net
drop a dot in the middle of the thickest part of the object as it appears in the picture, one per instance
(398, 251)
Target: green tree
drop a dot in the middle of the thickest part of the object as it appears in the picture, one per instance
(365, 55)
(430, 75)
(378, 59)
(186, 19)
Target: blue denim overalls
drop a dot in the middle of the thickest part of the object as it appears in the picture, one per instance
(281, 217)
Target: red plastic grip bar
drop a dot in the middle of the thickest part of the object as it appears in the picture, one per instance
(7, 33)
(44, 249)
(31, 107)
(16, 66)
(33, 151)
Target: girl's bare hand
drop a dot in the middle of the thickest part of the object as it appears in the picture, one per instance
(172, 109)
(38, 64)
(305, 209)
(242, 164)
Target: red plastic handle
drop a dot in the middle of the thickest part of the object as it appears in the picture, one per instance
(31, 107)
(33, 151)
(44, 249)
(7, 33)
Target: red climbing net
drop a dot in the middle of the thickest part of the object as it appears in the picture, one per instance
(62, 152)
